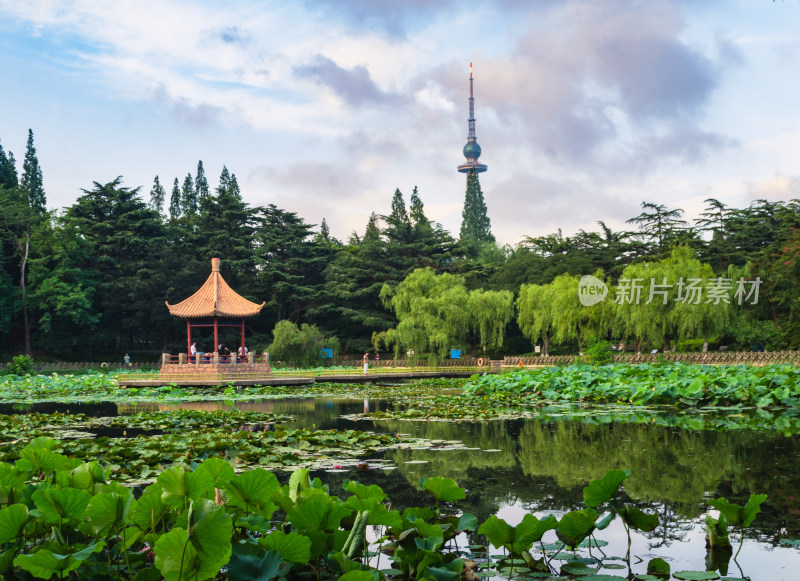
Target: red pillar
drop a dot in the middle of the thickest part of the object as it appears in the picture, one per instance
(216, 336)
(188, 337)
(241, 351)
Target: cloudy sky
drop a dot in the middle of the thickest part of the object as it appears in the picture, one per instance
(585, 108)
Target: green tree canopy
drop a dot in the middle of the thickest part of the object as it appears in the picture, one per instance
(437, 312)
(475, 224)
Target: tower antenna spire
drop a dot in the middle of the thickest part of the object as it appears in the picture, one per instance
(472, 151)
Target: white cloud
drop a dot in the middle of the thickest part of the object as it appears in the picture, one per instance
(585, 108)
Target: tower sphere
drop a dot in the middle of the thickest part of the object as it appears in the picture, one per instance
(472, 150)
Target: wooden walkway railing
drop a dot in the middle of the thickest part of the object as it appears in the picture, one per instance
(714, 358)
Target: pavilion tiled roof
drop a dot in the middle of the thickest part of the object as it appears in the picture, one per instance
(214, 299)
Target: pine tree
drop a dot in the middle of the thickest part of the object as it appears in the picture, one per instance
(125, 240)
(175, 201)
(289, 266)
(157, 196)
(323, 237)
(417, 209)
(226, 223)
(31, 182)
(233, 188)
(188, 197)
(200, 182)
(353, 281)
(399, 214)
(372, 233)
(8, 170)
(324, 231)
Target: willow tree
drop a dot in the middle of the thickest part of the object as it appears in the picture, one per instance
(535, 314)
(572, 319)
(677, 297)
(437, 312)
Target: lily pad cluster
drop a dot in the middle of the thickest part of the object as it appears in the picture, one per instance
(21, 426)
(674, 383)
(190, 436)
(99, 387)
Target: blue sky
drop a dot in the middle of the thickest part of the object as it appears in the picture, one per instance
(584, 108)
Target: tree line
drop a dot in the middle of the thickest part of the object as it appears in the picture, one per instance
(92, 278)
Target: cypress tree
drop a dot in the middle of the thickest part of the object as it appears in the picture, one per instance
(399, 214)
(175, 201)
(31, 182)
(188, 197)
(200, 182)
(8, 170)
(417, 209)
(475, 225)
(157, 196)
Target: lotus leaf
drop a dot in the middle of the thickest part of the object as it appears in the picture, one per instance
(250, 563)
(636, 519)
(293, 547)
(252, 490)
(180, 486)
(61, 503)
(220, 470)
(576, 526)
(12, 521)
(443, 489)
(737, 514)
(107, 511)
(149, 510)
(604, 489)
(44, 563)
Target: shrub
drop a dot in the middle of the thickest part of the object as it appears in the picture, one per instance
(21, 365)
(300, 346)
(599, 353)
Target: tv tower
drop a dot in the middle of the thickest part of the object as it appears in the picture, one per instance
(472, 151)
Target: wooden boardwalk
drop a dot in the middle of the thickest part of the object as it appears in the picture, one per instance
(280, 377)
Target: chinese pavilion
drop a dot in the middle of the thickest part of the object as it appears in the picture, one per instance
(217, 305)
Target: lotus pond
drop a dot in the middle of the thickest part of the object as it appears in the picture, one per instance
(518, 455)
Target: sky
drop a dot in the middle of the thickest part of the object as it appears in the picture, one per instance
(584, 108)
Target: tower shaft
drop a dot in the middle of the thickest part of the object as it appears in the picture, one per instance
(472, 151)
(471, 120)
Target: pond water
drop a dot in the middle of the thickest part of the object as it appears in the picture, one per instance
(540, 465)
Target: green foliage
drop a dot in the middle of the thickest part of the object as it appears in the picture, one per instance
(604, 489)
(735, 514)
(475, 223)
(658, 567)
(21, 365)
(437, 313)
(669, 383)
(88, 530)
(443, 489)
(599, 352)
(300, 346)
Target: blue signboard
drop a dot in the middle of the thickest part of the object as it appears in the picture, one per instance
(455, 353)
(326, 353)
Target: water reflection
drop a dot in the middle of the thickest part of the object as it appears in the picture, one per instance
(540, 465)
